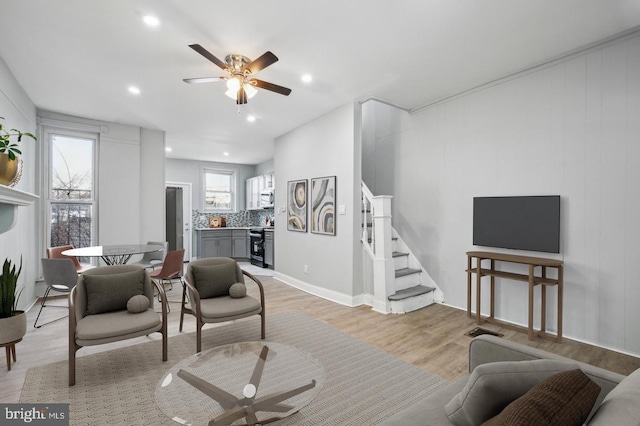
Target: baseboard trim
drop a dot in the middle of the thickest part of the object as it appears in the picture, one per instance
(331, 295)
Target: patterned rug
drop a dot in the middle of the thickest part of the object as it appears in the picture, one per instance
(363, 385)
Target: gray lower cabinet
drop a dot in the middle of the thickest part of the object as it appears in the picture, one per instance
(268, 248)
(240, 243)
(215, 243)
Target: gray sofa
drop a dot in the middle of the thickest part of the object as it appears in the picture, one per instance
(618, 402)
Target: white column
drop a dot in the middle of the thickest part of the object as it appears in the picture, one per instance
(383, 269)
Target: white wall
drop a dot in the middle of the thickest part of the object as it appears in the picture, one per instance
(20, 113)
(571, 128)
(326, 146)
(152, 193)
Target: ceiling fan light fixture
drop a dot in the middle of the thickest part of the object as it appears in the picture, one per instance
(231, 93)
(249, 90)
(233, 84)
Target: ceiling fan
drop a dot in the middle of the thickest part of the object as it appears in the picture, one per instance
(240, 84)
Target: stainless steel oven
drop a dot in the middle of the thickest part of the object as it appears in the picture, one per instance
(256, 242)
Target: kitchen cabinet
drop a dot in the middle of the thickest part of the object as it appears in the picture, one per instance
(253, 187)
(268, 248)
(240, 243)
(214, 243)
(268, 181)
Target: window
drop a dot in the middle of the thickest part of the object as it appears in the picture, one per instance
(219, 190)
(71, 189)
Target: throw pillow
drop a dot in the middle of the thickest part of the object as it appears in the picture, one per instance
(563, 399)
(621, 405)
(492, 386)
(238, 290)
(214, 280)
(107, 293)
(138, 303)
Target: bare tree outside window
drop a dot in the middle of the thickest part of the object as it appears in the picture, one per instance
(218, 190)
(71, 194)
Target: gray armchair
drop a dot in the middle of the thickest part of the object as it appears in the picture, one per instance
(107, 305)
(214, 296)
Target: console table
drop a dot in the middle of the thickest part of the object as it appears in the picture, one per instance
(542, 280)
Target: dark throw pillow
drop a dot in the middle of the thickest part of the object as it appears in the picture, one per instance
(214, 280)
(563, 399)
(107, 293)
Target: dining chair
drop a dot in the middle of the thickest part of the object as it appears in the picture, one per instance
(113, 303)
(56, 253)
(153, 259)
(172, 267)
(216, 292)
(60, 275)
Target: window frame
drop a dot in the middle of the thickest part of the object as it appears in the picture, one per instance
(49, 133)
(233, 190)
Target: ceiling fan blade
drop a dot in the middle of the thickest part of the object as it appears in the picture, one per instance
(204, 52)
(270, 86)
(201, 80)
(262, 62)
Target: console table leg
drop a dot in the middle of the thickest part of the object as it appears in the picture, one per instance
(469, 286)
(560, 289)
(493, 290)
(478, 282)
(543, 302)
(531, 335)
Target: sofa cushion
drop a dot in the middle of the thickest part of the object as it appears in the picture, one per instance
(492, 386)
(563, 399)
(214, 280)
(108, 293)
(622, 405)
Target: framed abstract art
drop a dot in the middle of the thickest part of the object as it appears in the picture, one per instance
(297, 205)
(323, 205)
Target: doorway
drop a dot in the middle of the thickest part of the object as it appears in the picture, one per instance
(178, 216)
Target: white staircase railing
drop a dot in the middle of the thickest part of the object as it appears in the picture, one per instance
(378, 244)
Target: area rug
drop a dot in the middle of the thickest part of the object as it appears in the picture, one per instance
(363, 385)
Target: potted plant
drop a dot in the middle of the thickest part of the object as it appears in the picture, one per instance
(9, 161)
(13, 323)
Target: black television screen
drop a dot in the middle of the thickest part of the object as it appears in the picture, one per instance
(522, 223)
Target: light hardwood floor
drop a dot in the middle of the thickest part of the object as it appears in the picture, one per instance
(431, 338)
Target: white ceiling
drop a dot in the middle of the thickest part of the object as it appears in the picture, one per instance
(78, 57)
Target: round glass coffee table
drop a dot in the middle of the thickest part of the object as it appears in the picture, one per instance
(241, 384)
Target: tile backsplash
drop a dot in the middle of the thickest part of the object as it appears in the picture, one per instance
(242, 218)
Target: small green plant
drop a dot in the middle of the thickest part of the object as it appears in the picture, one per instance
(8, 288)
(7, 146)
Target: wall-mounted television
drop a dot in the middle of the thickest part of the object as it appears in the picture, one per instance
(521, 223)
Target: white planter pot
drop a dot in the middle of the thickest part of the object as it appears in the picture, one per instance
(13, 328)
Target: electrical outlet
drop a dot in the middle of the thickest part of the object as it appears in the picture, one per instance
(306, 269)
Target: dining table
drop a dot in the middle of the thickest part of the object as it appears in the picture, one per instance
(114, 254)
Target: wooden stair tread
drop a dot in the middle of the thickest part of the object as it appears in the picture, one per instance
(410, 292)
(406, 271)
(398, 254)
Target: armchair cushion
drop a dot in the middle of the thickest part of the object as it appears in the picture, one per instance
(138, 303)
(226, 308)
(238, 290)
(563, 399)
(107, 293)
(214, 280)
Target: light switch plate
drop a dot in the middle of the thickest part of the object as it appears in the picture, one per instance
(342, 209)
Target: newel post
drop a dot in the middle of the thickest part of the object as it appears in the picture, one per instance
(383, 269)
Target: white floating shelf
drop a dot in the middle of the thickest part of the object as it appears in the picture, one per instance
(10, 200)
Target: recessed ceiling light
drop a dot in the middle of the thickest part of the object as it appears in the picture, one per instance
(168, 149)
(307, 78)
(151, 21)
(226, 154)
(134, 90)
(251, 118)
